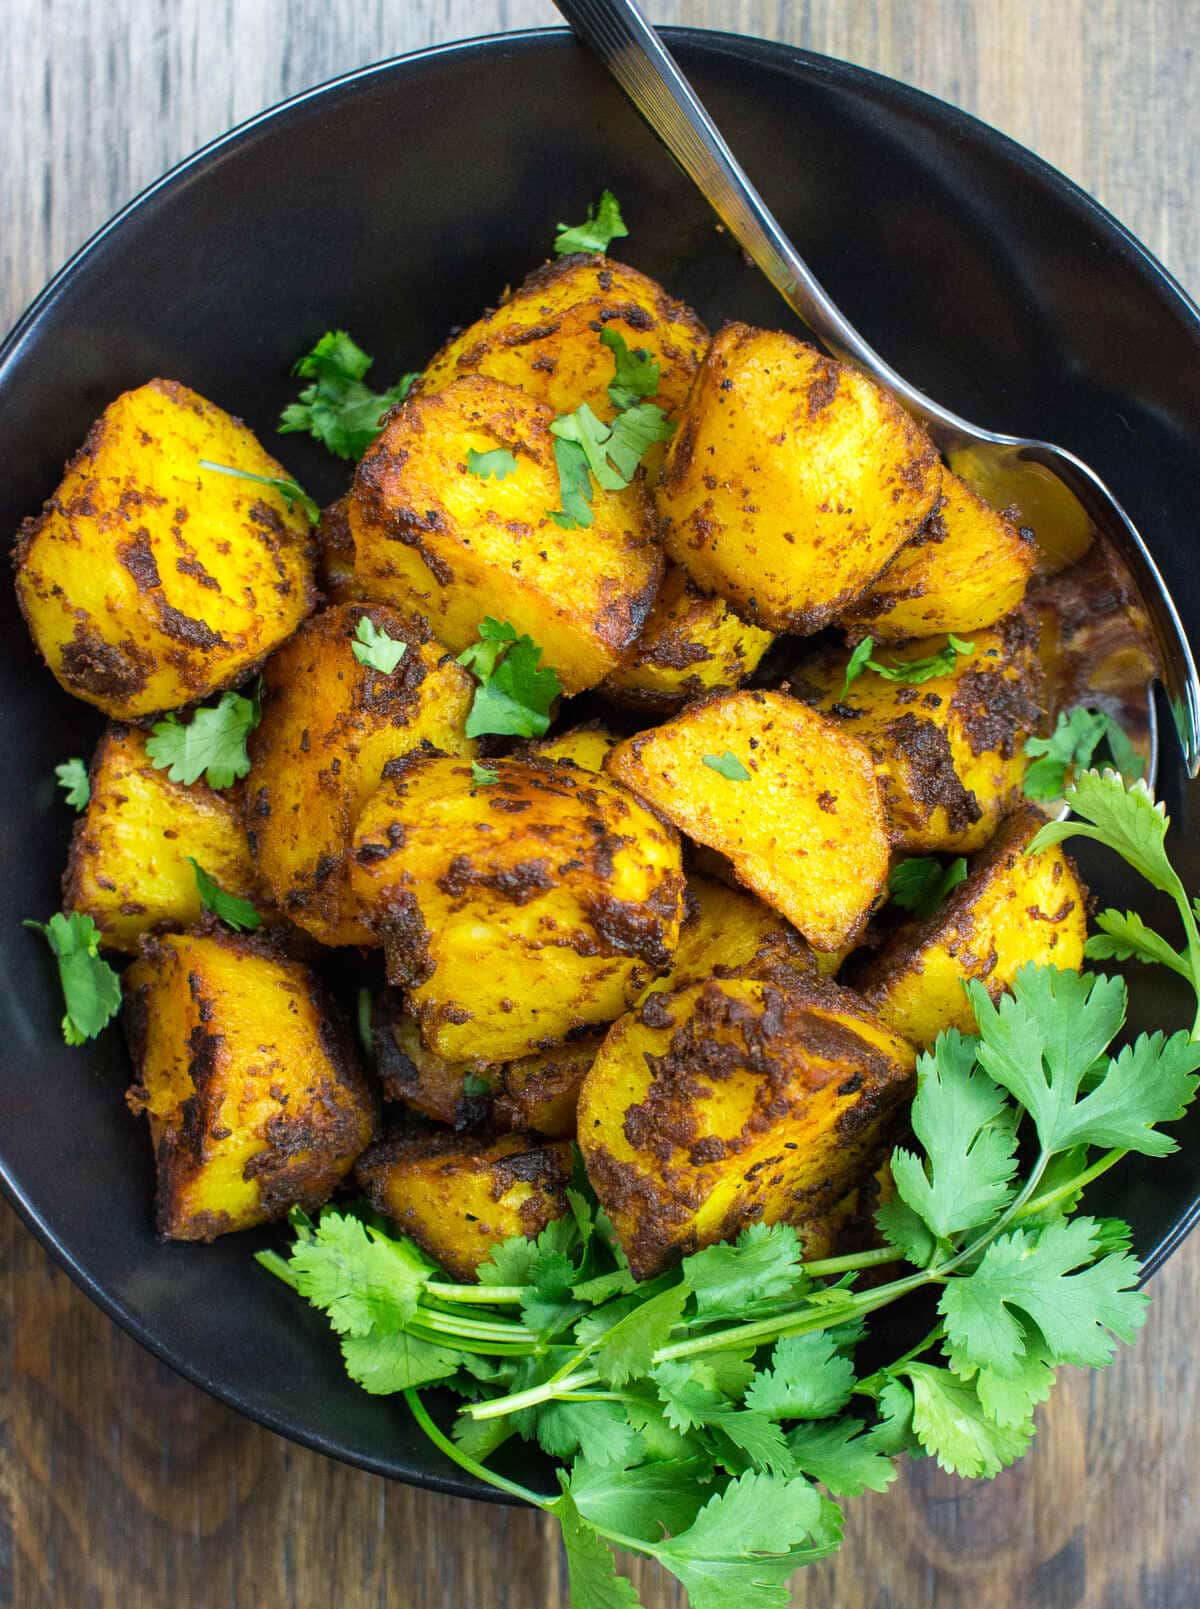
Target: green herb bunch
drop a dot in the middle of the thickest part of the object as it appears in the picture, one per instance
(711, 1417)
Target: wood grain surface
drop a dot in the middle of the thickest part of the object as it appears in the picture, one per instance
(122, 1486)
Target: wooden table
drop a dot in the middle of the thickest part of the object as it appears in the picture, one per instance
(120, 1485)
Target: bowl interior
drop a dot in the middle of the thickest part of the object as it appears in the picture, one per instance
(396, 204)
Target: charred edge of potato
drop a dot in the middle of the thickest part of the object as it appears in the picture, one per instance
(335, 556)
(309, 1147)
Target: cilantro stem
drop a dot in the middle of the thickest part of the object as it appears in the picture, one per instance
(549, 1390)
(859, 1259)
(499, 1294)
(439, 1335)
(277, 1265)
(1101, 1165)
(476, 1329)
(873, 1383)
(465, 1461)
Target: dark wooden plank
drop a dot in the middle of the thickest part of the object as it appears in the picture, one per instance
(119, 1484)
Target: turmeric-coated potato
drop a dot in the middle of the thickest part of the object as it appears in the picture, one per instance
(1012, 909)
(690, 645)
(966, 568)
(330, 727)
(731, 1102)
(585, 746)
(790, 797)
(458, 1196)
(129, 868)
(249, 1080)
(792, 480)
(149, 581)
(433, 535)
(950, 751)
(545, 336)
(726, 930)
(536, 1092)
(516, 913)
(336, 575)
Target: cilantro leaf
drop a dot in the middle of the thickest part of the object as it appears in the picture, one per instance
(237, 913)
(364, 1281)
(842, 1456)
(920, 883)
(907, 1231)
(337, 409)
(73, 780)
(1041, 1041)
(1123, 936)
(727, 765)
(1126, 819)
(636, 373)
(1044, 1277)
(969, 1134)
(665, 1494)
(593, 437)
(394, 1361)
(287, 488)
(499, 463)
(376, 648)
(574, 486)
(857, 663)
(212, 744)
(603, 225)
(625, 1335)
(602, 1429)
(475, 1085)
(894, 1432)
(634, 432)
(482, 776)
(912, 671)
(515, 690)
(757, 1436)
(1075, 739)
(91, 989)
(1010, 1399)
(949, 1421)
(763, 1264)
(585, 446)
(548, 1306)
(808, 1379)
(745, 1543)
(595, 1583)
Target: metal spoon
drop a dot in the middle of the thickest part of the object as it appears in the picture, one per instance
(1066, 503)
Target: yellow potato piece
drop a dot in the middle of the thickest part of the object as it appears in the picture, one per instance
(249, 1080)
(950, 751)
(149, 582)
(585, 746)
(804, 830)
(459, 1197)
(691, 644)
(431, 535)
(129, 868)
(792, 481)
(733, 1102)
(545, 336)
(330, 727)
(1013, 908)
(725, 930)
(514, 914)
(966, 568)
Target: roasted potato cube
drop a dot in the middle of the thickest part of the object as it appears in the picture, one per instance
(249, 1079)
(950, 752)
(148, 581)
(1013, 908)
(516, 913)
(129, 868)
(690, 645)
(335, 556)
(584, 746)
(459, 1197)
(330, 727)
(792, 480)
(731, 1102)
(966, 568)
(536, 1092)
(545, 336)
(804, 828)
(726, 931)
(431, 535)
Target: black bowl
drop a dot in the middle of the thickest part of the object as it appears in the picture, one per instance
(397, 202)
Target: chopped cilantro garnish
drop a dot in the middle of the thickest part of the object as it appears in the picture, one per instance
(727, 765)
(91, 989)
(483, 776)
(212, 744)
(73, 780)
(1077, 735)
(499, 463)
(515, 690)
(376, 648)
(604, 224)
(912, 671)
(235, 912)
(920, 883)
(636, 372)
(338, 409)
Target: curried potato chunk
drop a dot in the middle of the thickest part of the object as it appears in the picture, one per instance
(966, 568)
(459, 1197)
(129, 868)
(584, 746)
(148, 581)
(431, 535)
(792, 480)
(1013, 908)
(545, 336)
(536, 1092)
(335, 562)
(249, 1079)
(950, 752)
(690, 645)
(330, 727)
(725, 931)
(514, 914)
(732, 1102)
(803, 827)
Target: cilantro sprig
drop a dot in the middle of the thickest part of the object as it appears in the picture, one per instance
(601, 227)
(339, 409)
(515, 690)
(91, 989)
(376, 648)
(912, 671)
(234, 911)
(73, 779)
(920, 883)
(212, 744)
(1072, 746)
